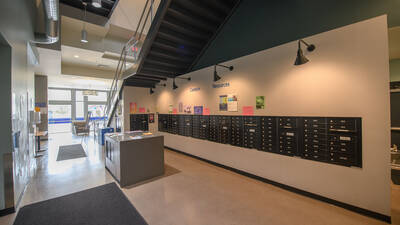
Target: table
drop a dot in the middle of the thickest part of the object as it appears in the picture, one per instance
(38, 135)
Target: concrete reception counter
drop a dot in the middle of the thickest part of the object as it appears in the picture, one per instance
(134, 157)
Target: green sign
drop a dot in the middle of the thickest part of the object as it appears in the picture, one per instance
(260, 102)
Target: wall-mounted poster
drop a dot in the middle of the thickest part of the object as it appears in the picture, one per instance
(248, 110)
(187, 109)
(170, 108)
(232, 103)
(180, 107)
(260, 102)
(132, 107)
(198, 110)
(151, 118)
(223, 103)
(142, 110)
(174, 111)
(206, 111)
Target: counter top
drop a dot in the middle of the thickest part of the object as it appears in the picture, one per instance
(131, 136)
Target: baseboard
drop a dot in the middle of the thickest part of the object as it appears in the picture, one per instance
(353, 208)
(7, 211)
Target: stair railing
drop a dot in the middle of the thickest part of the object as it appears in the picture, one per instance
(131, 45)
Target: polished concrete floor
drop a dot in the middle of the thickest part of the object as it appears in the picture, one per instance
(192, 192)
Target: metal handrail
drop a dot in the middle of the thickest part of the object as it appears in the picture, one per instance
(121, 67)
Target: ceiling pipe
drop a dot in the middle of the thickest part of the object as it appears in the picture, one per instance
(52, 16)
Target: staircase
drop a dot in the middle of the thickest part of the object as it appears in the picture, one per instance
(180, 32)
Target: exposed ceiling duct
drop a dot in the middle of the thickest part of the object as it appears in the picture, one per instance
(52, 16)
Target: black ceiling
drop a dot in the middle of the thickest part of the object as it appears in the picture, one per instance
(107, 6)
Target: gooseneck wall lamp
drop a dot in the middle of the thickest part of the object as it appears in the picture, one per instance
(301, 59)
(216, 76)
(151, 89)
(174, 86)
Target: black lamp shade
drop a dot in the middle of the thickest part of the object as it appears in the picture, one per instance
(174, 85)
(216, 77)
(300, 59)
(151, 91)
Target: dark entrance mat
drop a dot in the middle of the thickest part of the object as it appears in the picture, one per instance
(66, 152)
(103, 205)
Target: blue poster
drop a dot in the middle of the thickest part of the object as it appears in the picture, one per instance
(198, 110)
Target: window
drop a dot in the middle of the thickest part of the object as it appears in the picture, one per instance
(97, 111)
(79, 96)
(80, 111)
(59, 95)
(100, 97)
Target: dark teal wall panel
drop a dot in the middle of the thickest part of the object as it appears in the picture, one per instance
(258, 24)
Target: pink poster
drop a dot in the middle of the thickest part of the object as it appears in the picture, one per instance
(132, 107)
(174, 111)
(248, 110)
(206, 111)
(142, 110)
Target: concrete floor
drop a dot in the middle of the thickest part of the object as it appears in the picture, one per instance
(192, 192)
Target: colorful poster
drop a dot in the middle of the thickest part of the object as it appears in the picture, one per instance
(132, 107)
(151, 118)
(180, 107)
(206, 111)
(187, 109)
(170, 108)
(248, 110)
(260, 102)
(142, 110)
(174, 111)
(198, 110)
(232, 103)
(223, 103)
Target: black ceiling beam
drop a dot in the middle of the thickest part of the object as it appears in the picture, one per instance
(185, 29)
(156, 73)
(165, 62)
(132, 84)
(197, 8)
(105, 10)
(150, 77)
(179, 37)
(159, 68)
(109, 3)
(140, 79)
(173, 49)
(177, 13)
(167, 55)
(220, 5)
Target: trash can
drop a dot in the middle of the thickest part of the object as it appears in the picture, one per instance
(102, 132)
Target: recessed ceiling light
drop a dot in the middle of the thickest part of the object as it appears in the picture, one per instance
(96, 3)
(76, 56)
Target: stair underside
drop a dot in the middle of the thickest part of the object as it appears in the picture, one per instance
(179, 35)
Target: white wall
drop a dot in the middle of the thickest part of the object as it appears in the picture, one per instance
(17, 29)
(347, 76)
